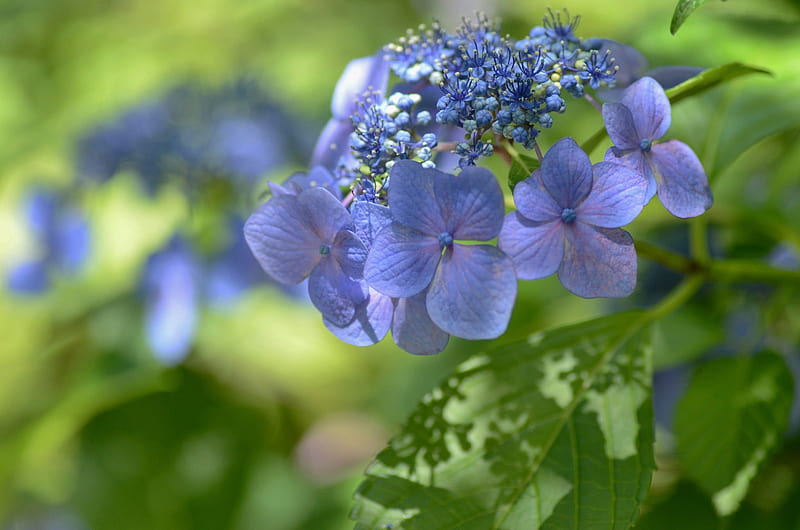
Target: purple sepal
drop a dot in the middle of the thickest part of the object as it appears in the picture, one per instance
(536, 248)
(402, 261)
(370, 323)
(598, 262)
(413, 330)
(682, 183)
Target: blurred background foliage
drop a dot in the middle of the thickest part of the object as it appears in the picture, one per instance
(254, 416)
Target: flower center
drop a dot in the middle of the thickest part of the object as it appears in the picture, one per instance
(568, 215)
(645, 145)
(324, 250)
(445, 239)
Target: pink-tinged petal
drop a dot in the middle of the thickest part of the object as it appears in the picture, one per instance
(682, 183)
(650, 108)
(536, 249)
(534, 202)
(359, 76)
(402, 261)
(325, 214)
(639, 162)
(369, 219)
(370, 324)
(473, 292)
(620, 126)
(617, 196)
(281, 240)
(350, 252)
(598, 262)
(471, 204)
(412, 327)
(335, 294)
(567, 173)
(412, 198)
(333, 142)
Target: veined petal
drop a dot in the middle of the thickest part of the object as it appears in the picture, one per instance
(369, 219)
(650, 108)
(567, 173)
(639, 162)
(335, 294)
(682, 182)
(534, 202)
(350, 252)
(473, 292)
(370, 324)
(471, 204)
(360, 75)
(281, 239)
(412, 327)
(402, 261)
(324, 213)
(412, 198)
(617, 196)
(620, 126)
(536, 249)
(598, 262)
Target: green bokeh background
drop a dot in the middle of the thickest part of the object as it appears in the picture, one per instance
(271, 420)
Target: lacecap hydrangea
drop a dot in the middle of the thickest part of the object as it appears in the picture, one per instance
(394, 227)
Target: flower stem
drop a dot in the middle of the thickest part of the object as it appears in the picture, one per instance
(676, 298)
(667, 258)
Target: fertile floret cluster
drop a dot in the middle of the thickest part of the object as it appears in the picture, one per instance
(409, 247)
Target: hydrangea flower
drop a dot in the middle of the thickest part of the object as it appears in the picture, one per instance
(470, 288)
(309, 235)
(567, 221)
(61, 233)
(672, 169)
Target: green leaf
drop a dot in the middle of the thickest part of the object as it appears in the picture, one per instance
(731, 417)
(683, 9)
(708, 79)
(552, 432)
(521, 169)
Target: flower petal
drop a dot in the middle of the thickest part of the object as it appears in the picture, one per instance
(413, 330)
(360, 75)
(620, 126)
(471, 204)
(351, 254)
(617, 196)
(650, 108)
(370, 324)
(369, 219)
(567, 173)
(333, 142)
(639, 162)
(598, 262)
(402, 261)
(325, 214)
(533, 201)
(412, 198)
(281, 240)
(473, 292)
(682, 182)
(535, 248)
(335, 294)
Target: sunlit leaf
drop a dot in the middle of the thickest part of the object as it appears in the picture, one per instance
(521, 169)
(730, 419)
(552, 432)
(683, 9)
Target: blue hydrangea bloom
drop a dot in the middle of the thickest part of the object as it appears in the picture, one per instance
(309, 235)
(412, 328)
(61, 233)
(672, 169)
(567, 221)
(171, 280)
(470, 288)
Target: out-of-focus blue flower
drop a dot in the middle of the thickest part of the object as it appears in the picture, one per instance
(672, 169)
(61, 234)
(171, 288)
(470, 288)
(192, 134)
(567, 221)
(309, 235)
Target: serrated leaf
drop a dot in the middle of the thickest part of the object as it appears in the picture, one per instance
(521, 168)
(552, 432)
(731, 417)
(683, 9)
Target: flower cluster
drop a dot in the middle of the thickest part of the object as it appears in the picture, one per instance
(409, 247)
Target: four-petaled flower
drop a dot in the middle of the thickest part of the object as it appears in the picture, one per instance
(310, 235)
(672, 169)
(568, 218)
(470, 288)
